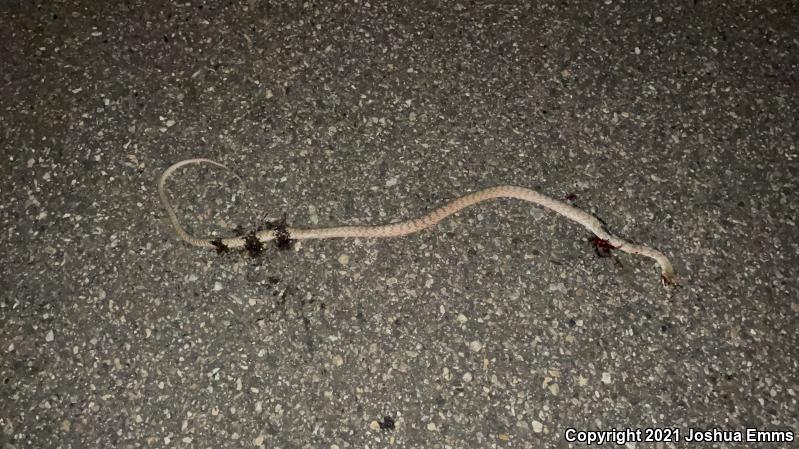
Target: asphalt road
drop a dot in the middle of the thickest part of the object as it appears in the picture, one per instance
(675, 122)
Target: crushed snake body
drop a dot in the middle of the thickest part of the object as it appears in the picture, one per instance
(411, 226)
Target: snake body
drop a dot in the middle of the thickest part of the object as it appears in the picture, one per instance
(411, 226)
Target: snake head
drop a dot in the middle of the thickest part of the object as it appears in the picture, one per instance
(670, 280)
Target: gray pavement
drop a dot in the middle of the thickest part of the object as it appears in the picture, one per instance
(675, 122)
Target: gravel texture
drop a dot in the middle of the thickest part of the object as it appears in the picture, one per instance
(675, 122)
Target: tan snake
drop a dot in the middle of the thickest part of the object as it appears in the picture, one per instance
(428, 220)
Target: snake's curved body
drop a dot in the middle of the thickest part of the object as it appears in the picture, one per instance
(428, 220)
